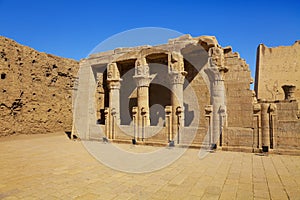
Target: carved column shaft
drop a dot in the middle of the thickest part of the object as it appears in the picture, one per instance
(268, 125)
(257, 125)
(218, 101)
(177, 80)
(215, 73)
(135, 127)
(168, 117)
(143, 83)
(208, 117)
(273, 125)
(265, 130)
(143, 103)
(217, 90)
(114, 83)
(177, 76)
(142, 79)
(114, 98)
(107, 123)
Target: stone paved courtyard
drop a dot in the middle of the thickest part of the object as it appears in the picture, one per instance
(54, 167)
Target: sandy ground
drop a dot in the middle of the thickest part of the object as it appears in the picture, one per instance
(53, 167)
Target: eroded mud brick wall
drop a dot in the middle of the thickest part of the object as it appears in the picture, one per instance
(35, 90)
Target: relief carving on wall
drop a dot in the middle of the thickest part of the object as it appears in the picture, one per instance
(274, 91)
(99, 96)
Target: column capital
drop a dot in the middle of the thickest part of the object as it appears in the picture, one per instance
(289, 92)
(177, 77)
(114, 84)
(142, 76)
(208, 109)
(214, 74)
(168, 110)
(256, 108)
(143, 80)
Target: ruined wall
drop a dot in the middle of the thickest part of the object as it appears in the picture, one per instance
(276, 67)
(238, 132)
(238, 93)
(35, 90)
(239, 99)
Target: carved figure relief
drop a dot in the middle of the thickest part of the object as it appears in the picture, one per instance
(216, 56)
(141, 67)
(176, 62)
(112, 71)
(99, 96)
(274, 91)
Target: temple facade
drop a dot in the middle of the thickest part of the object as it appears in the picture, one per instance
(189, 92)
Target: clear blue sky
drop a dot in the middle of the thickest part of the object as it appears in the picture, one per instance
(73, 28)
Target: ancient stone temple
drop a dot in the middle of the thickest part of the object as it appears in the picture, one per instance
(276, 67)
(190, 91)
(277, 86)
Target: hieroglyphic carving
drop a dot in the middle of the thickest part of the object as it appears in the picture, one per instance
(99, 101)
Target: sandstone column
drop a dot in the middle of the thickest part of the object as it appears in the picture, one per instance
(265, 125)
(135, 127)
(177, 77)
(208, 117)
(257, 125)
(273, 124)
(113, 79)
(177, 80)
(215, 72)
(107, 123)
(168, 117)
(142, 79)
